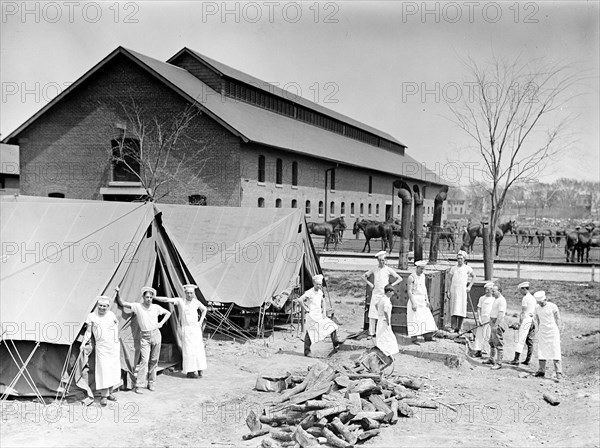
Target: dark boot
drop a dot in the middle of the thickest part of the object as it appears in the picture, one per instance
(307, 345)
(336, 341)
(515, 361)
(527, 358)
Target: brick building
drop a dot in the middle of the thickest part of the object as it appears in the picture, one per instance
(256, 145)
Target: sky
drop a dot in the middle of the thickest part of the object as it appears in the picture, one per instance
(392, 65)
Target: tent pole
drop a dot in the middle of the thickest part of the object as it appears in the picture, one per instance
(23, 369)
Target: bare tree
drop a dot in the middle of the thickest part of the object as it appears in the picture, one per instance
(513, 115)
(159, 153)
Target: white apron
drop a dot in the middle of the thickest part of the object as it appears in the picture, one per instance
(529, 301)
(385, 339)
(483, 333)
(317, 326)
(420, 321)
(194, 356)
(548, 334)
(458, 289)
(108, 351)
(381, 278)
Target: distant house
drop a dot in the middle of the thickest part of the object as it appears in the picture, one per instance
(9, 169)
(458, 205)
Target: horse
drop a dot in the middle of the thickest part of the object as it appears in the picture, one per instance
(526, 233)
(558, 234)
(474, 231)
(328, 229)
(446, 233)
(339, 225)
(545, 233)
(374, 230)
(581, 241)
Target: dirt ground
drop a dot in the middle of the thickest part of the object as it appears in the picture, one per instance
(492, 408)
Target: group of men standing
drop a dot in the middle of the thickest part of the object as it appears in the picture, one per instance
(103, 325)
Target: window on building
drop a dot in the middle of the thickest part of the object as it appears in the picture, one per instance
(261, 168)
(370, 184)
(370, 209)
(261, 202)
(343, 208)
(307, 208)
(320, 207)
(333, 179)
(294, 203)
(352, 208)
(377, 209)
(197, 199)
(461, 209)
(279, 172)
(277, 203)
(398, 212)
(295, 173)
(362, 209)
(56, 195)
(332, 208)
(126, 160)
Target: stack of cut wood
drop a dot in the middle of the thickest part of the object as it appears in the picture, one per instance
(336, 407)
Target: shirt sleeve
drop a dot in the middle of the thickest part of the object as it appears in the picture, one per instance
(160, 310)
(135, 308)
(177, 301)
(502, 306)
(470, 270)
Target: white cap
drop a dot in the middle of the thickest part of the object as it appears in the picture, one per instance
(489, 285)
(145, 289)
(462, 252)
(318, 279)
(421, 263)
(524, 285)
(189, 287)
(540, 295)
(381, 253)
(103, 299)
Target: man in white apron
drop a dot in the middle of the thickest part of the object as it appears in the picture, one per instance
(419, 319)
(526, 325)
(192, 345)
(317, 325)
(498, 327)
(385, 339)
(150, 338)
(459, 281)
(548, 322)
(104, 326)
(381, 278)
(483, 332)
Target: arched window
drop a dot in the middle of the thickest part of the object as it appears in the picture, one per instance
(294, 173)
(362, 208)
(370, 209)
(320, 207)
(261, 168)
(398, 212)
(279, 172)
(307, 208)
(343, 208)
(377, 209)
(352, 208)
(294, 203)
(277, 203)
(261, 202)
(332, 208)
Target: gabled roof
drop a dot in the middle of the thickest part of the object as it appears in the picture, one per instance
(233, 73)
(259, 125)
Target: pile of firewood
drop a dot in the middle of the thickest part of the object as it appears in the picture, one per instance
(336, 407)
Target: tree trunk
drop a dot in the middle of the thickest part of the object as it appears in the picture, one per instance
(488, 260)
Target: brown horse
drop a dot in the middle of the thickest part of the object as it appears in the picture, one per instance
(375, 230)
(446, 233)
(328, 229)
(526, 233)
(581, 241)
(474, 231)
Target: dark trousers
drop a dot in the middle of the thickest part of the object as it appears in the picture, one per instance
(308, 342)
(529, 340)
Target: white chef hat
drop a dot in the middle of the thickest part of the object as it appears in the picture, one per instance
(189, 287)
(524, 285)
(540, 295)
(381, 253)
(104, 300)
(146, 289)
(463, 253)
(318, 279)
(421, 263)
(489, 285)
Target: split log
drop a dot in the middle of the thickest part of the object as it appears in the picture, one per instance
(322, 440)
(253, 422)
(297, 379)
(266, 443)
(308, 421)
(334, 440)
(343, 381)
(382, 407)
(302, 397)
(394, 408)
(364, 387)
(310, 405)
(312, 374)
(368, 434)
(379, 416)
(355, 403)
(369, 424)
(257, 433)
(427, 404)
(281, 435)
(322, 423)
(346, 416)
(363, 376)
(323, 378)
(331, 411)
(405, 410)
(552, 399)
(386, 393)
(315, 431)
(367, 406)
(411, 383)
(273, 420)
(402, 394)
(304, 438)
(343, 431)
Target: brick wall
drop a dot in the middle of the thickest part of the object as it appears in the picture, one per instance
(67, 149)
